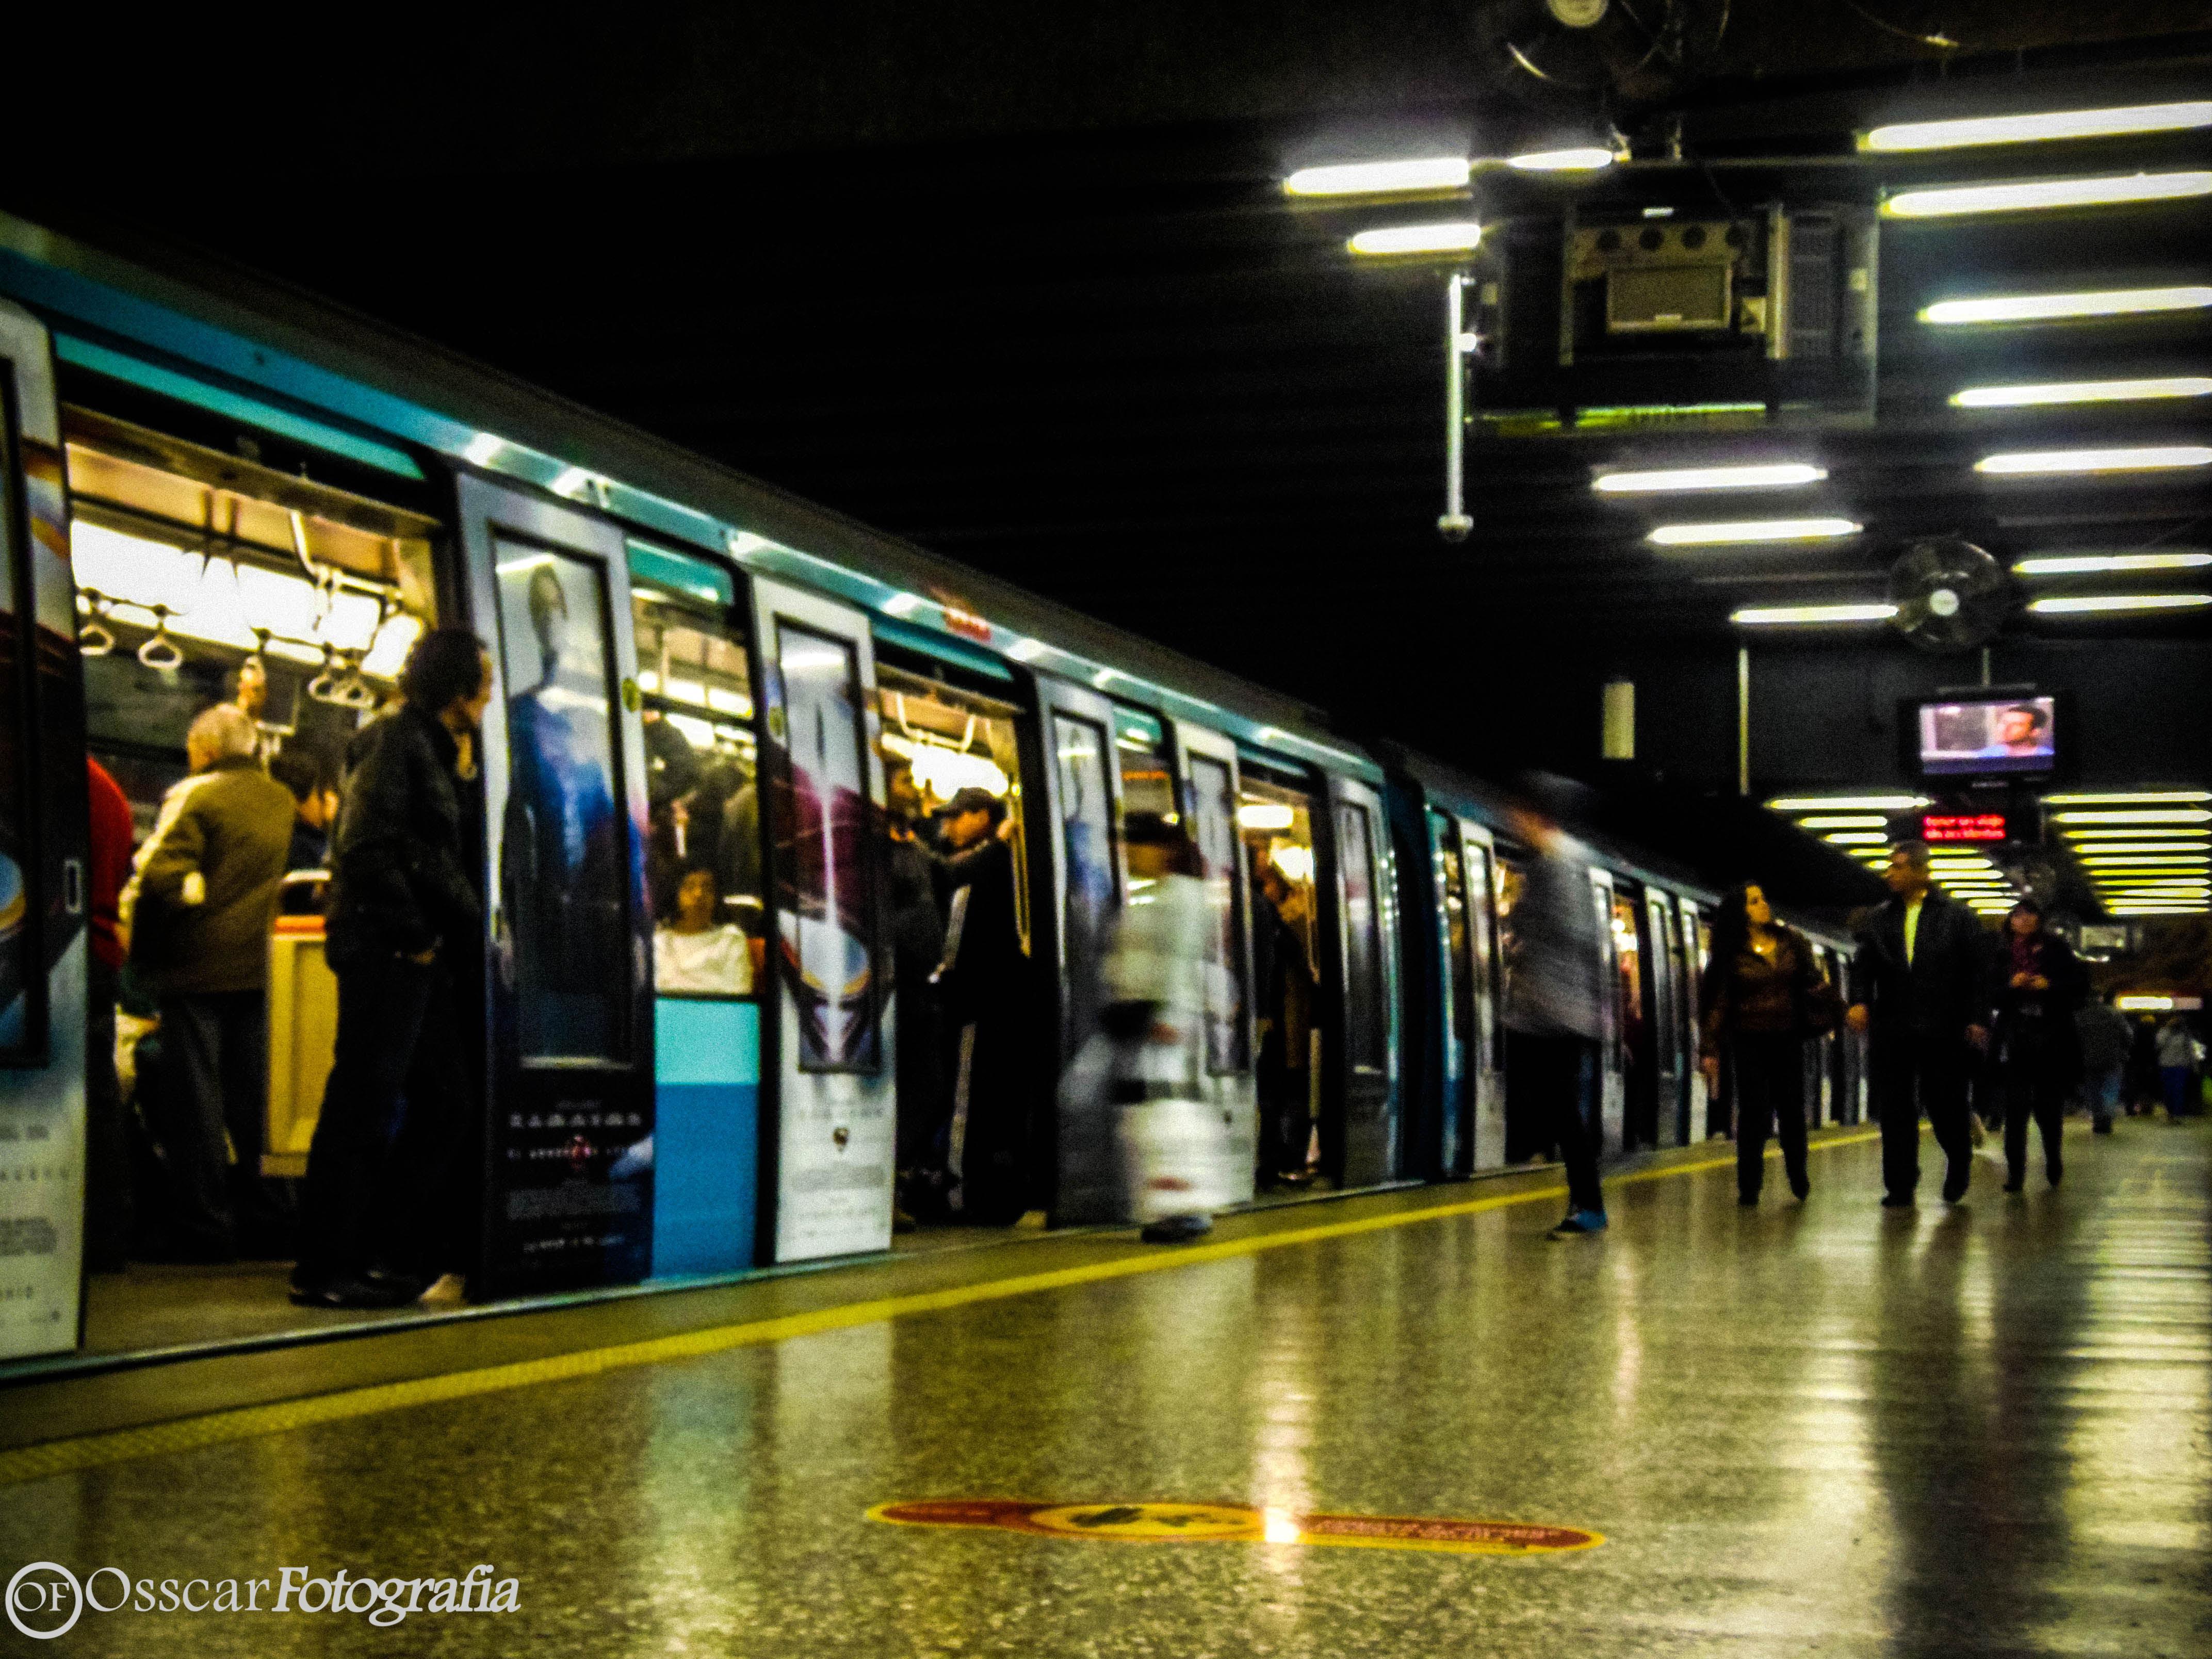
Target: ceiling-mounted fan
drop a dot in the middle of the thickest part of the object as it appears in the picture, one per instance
(1950, 595)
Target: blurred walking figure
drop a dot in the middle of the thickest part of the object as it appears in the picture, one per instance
(2038, 1051)
(1175, 1147)
(1764, 996)
(2178, 1053)
(1923, 962)
(197, 911)
(404, 907)
(1552, 1006)
(2102, 1031)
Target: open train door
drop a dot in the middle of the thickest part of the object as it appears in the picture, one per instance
(1612, 1102)
(568, 1200)
(1668, 1050)
(822, 789)
(1486, 1067)
(1366, 1038)
(1695, 1104)
(1210, 794)
(1083, 792)
(43, 957)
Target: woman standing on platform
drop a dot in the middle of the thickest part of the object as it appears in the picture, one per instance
(1764, 996)
(2038, 1051)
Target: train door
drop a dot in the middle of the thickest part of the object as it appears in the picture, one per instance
(831, 1032)
(1083, 788)
(709, 911)
(1455, 1044)
(568, 1183)
(1612, 1102)
(43, 948)
(1690, 925)
(1367, 943)
(1211, 802)
(1665, 979)
(1821, 1062)
(1275, 813)
(1486, 986)
(1639, 1013)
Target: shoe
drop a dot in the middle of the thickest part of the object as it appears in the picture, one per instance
(1801, 1188)
(392, 1281)
(348, 1291)
(2053, 1173)
(1577, 1223)
(2014, 1185)
(1176, 1230)
(447, 1290)
(1896, 1201)
(1954, 1195)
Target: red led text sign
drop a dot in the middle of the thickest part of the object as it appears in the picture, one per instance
(1963, 826)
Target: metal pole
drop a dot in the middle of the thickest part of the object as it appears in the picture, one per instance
(1456, 526)
(1743, 719)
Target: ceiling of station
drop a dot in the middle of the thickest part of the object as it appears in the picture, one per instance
(1067, 327)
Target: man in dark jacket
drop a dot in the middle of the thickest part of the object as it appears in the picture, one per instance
(199, 911)
(403, 904)
(982, 979)
(1923, 965)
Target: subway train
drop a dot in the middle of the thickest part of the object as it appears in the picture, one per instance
(710, 703)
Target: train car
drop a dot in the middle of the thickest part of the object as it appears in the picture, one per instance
(698, 1003)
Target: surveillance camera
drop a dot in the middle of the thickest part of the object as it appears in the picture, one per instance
(1455, 526)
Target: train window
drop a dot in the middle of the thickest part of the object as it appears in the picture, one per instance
(566, 863)
(702, 790)
(1509, 877)
(1086, 838)
(1482, 959)
(1362, 941)
(825, 866)
(1147, 785)
(1213, 827)
(1628, 958)
(939, 740)
(1458, 937)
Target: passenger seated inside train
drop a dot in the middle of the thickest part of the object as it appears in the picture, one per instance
(694, 950)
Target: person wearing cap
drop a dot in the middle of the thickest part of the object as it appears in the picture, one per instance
(979, 978)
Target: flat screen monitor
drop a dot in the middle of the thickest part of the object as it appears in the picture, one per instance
(1978, 736)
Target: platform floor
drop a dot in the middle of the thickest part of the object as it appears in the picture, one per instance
(1822, 1429)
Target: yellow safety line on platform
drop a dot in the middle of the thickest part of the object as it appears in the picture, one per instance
(249, 1422)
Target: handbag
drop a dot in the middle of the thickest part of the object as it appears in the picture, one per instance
(1819, 1005)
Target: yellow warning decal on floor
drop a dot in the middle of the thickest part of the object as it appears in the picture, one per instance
(1238, 1523)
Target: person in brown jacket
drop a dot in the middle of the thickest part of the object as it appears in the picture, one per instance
(1764, 995)
(198, 910)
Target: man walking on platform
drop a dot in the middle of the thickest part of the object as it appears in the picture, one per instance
(1552, 1015)
(1922, 968)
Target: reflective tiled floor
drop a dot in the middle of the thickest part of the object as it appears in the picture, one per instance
(1830, 1430)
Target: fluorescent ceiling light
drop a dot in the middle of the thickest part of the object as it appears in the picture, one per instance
(1857, 838)
(1379, 177)
(2083, 391)
(1809, 616)
(2033, 129)
(1446, 236)
(1846, 803)
(1778, 476)
(2157, 909)
(2138, 458)
(1852, 821)
(1264, 814)
(903, 605)
(2035, 195)
(1582, 158)
(2045, 308)
(2121, 602)
(2159, 815)
(2082, 564)
(1753, 530)
(2131, 795)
